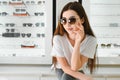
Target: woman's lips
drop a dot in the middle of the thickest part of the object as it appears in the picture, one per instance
(70, 29)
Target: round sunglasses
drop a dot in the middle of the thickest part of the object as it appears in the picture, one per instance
(71, 20)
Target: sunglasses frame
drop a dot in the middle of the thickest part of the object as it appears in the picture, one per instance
(106, 45)
(71, 20)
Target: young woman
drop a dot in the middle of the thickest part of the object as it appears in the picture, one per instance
(74, 44)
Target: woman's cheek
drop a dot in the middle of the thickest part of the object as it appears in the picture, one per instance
(76, 28)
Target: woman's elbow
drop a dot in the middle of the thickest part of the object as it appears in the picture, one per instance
(75, 68)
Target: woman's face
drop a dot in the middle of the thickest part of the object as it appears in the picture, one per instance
(70, 20)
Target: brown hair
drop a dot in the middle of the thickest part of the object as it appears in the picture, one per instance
(77, 7)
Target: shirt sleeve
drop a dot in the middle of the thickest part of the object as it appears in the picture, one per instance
(89, 48)
(57, 47)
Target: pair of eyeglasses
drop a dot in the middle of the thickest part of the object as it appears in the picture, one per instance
(16, 0)
(42, 24)
(40, 2)
(37, 24)
(105, 45)
(21, 14)
(41, 35)
(71, 20)
(113, 24)
(3, 2)
(39, 13)
(20, 10)
(28, 34)
(27, 24)
(10, 24)
(10, 30)
(1, 24)
(116, 45)
(10, 34)
(30, 2)
(3, 14)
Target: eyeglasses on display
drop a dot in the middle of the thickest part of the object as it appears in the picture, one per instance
(33, 2)
(105, 45)
(3, 2)
(16, 2)
(27, 24)
(41, 35)
(9, 24)
(20, 12)
(28, 46)
(10, 34)
(71, 20)
(1, 24)
(39, 14)
(37, 24)
(26, 35)
(3, 14)
(10, 30)
(20, 2)
(30, 2)
(42, 24)
(116, 45)
(39, 2)
(113, 24)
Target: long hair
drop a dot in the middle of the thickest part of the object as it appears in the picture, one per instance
(77, 7)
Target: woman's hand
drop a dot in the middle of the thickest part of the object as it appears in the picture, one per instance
(86, 77)
(80, 34)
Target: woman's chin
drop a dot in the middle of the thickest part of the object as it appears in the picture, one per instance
(72, 36)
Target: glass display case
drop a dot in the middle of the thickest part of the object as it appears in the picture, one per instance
(104, 19)
(25, 31)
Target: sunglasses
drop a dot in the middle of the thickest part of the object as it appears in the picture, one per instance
(30, 2)
(3, 14)
(39, 13)
(41, 35)
(116, 45)
(3, 2)
(105, 45)
(10, 30)
(40, 2)
(71, 20)
(27, 35)
(9, 24)
(16, 0)
(27, 24)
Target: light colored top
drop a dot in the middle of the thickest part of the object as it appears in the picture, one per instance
(63, 48)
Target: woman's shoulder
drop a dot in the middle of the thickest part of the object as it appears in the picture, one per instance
(91, 38)
(59, 37)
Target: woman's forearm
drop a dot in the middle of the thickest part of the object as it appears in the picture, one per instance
(76, 74)
(75, 59)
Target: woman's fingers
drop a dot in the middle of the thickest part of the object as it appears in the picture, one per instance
(80, 27)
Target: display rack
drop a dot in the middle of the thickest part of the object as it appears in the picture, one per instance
(26, 31)
(104, 19)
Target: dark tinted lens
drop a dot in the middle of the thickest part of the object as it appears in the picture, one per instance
(63, 21)
(72, 20)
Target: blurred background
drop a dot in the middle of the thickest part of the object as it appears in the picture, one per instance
(26, 31)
